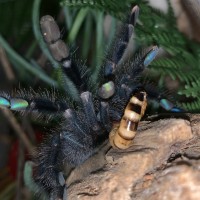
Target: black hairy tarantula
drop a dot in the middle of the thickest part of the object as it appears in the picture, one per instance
(120, 98)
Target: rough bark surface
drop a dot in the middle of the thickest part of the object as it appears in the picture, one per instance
(163, 163)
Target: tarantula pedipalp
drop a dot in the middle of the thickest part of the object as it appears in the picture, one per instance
(86, 126)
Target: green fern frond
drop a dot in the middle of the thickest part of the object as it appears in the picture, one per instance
(114, 7)
(171, 16)
(193, 106)
(191, 89)
(175, 63)
(177, 67)
(183, 59)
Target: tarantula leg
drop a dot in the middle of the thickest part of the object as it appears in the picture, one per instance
(89, 110)
(169, 106)
(59, 50)
(129, 84)
(150, 56)
(161, 98)
(31, 104)
(42, 105)
(4, 102)
(104, 116)
(134, 15)
(122, 137)
(52, 35)
(138, 65)
(14, 103)
(74, 122)
(120, 45)
(107, 89)
(48, 164)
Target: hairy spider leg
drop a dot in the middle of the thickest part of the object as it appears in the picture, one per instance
(59, 50)
(104, 116)
(162, 98)
(79, 137)
(116, 53)
(120, 43)
(33, 102)
(127, 86)
(47, 168)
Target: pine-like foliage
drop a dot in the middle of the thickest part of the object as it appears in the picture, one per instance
(114, 7)
(182, 56)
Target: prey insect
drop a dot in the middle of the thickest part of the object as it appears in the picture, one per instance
(118, 97)
(122, 137)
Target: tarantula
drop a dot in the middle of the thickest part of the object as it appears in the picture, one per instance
(119, 99)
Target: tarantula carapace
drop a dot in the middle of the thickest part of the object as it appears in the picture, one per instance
(121, 98)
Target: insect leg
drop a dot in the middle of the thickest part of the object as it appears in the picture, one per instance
(122, 137)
